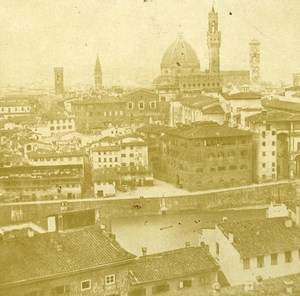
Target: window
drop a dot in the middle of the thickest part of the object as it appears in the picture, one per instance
(231, 153)
(64, 127)
(273, 259)
(69, 126)
(85, 285)
(160, 288)
(263, 144)
(51, 128)
(273, 133)
(268, 127)
(130, 105)
(116, 113)
(264, 153)
(273, 153)
(110, 279)
(58, 128)
(153, 105)
(288, 257)
(260, 261)
(273, 164)
(246, 263)
(263, 165)
(232, 167)
(141, 105)
(273, 143)
(221, 168)
(243, 166)
(185, 284)
(212, 169)
(61, 290)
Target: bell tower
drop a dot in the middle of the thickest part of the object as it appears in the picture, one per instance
(98, 74)
(213, 42)
(254, 61)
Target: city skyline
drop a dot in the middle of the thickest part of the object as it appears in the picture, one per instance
(131, 38)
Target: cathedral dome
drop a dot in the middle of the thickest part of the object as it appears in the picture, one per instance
(180, 58)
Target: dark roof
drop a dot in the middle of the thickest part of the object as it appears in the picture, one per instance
(275, 286)
(37, 154)
(252, 238)
(293, 88)
(172, 264)
(199, 101)
(217, 109)
(39, 257)
(242, 96)
(281, 105)
(154, 129)
(207, 130)
(273, 116)
(106, 148)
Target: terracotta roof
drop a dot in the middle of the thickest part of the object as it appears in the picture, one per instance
(37, 154)
(252, 238)
(275, 286)
(281, 105)
(106, 148)
(242, 96)
(172, 264)
(293, 88)
(217, 109)
(154, 129)
(273, 116)
(207, 130)
(39, 257)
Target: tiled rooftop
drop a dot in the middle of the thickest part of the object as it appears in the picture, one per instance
(273, 116)
(172, 264)
(51, 254)
(252, 238)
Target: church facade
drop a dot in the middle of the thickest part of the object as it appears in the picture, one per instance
(180, 65)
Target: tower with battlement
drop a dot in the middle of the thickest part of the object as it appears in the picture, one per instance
(213, 42)
(59, 80)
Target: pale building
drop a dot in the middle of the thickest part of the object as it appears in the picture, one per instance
(254, 250)
(239, 106)
(277, 145)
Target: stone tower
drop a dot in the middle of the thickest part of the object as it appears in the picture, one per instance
(213, 42)
(59, 80)
(254, 61)
(98, 74)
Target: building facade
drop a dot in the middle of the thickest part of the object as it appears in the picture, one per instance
(254, 250)
(204, 156)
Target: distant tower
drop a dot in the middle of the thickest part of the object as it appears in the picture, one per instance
(254, 61)
(59, 80)
(98, 74)
(213, 43)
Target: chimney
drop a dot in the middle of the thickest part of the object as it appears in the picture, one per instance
(289, 286)
(249, 286)
(225, 219)
(288, 223)
(230, 237)
(187, 244)
(30, 232)
(144, 251)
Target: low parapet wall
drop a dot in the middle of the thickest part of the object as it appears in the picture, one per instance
(37, 212)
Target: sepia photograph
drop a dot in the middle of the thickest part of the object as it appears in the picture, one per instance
(149, 147)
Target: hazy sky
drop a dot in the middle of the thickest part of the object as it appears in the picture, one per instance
(132, 35)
